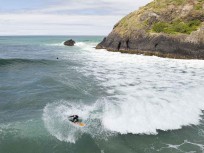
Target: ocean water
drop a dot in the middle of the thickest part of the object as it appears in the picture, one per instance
(130, 103)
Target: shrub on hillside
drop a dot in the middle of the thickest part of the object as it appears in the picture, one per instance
(176, 27)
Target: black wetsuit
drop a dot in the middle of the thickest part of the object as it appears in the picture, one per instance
(75, 118)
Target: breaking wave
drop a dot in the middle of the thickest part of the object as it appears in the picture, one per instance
(143, 95)
(142, 115)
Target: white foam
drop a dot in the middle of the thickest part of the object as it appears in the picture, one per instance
(56, 121)
(147, 94)
(86, 46)
(55, 117)
(60, 44)
(81, 45)
(143, 94)
(147, 113)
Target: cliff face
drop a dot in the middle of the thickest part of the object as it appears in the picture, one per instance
(167, 28)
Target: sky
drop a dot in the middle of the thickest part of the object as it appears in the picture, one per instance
(63, 17)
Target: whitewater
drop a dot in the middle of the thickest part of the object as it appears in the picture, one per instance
(144, 95)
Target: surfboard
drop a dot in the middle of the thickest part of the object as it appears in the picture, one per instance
(80, 124)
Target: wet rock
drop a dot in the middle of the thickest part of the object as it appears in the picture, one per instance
(69, 42)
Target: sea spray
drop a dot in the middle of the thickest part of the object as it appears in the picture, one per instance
(55, 117)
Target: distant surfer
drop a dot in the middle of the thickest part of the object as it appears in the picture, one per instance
(74, 118)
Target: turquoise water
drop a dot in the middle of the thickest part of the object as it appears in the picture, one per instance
(130, 103)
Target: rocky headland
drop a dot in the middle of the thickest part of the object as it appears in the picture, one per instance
(165, 28)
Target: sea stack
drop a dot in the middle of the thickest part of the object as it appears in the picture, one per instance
(69, 42)
(165, 28)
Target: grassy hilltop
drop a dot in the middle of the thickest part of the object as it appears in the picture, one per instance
(165, 16)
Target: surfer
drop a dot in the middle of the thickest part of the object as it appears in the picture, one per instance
(74, 118)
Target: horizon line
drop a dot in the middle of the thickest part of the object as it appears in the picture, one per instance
(52, 35)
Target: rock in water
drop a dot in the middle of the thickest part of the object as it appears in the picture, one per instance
(166, 28)
(69, 42)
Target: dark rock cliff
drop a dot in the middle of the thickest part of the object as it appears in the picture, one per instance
(166, 28)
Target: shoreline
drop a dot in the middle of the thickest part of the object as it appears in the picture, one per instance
(155, 53)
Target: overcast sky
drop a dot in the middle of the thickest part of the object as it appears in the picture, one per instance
(63, 17)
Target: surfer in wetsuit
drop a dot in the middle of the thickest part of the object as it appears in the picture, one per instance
(74, 118)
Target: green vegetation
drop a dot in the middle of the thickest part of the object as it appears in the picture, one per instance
(177, 2)
(176, 27)
(159, 5)
(198, 6)
(160, 27)
(164, 16)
